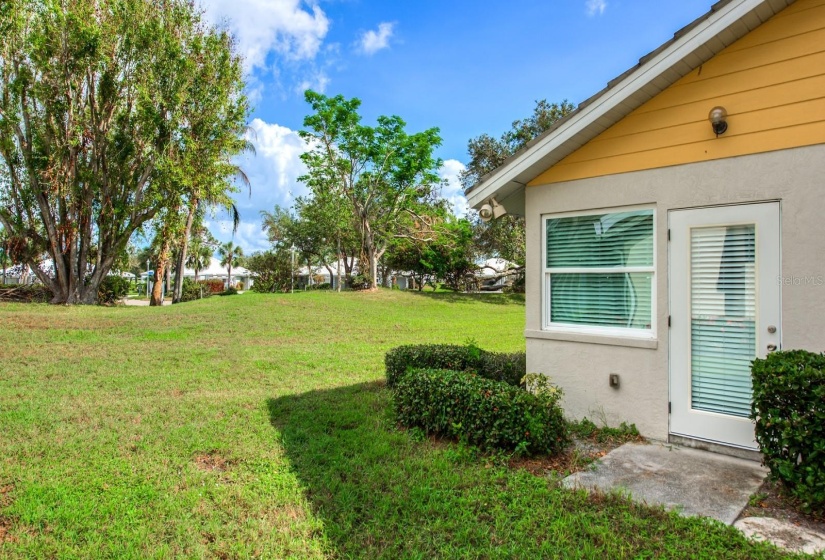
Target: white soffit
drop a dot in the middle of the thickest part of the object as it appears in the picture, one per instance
(690, 47)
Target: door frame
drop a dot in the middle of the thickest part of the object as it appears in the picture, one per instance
(672, 305)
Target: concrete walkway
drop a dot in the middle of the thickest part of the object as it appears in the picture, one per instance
(694, 482)
(690, 481)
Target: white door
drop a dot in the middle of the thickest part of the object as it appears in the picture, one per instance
(725, 290)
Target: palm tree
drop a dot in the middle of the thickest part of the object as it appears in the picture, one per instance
(198, 258)
(230, 256)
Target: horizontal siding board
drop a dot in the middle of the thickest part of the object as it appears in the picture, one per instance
(738, 125)
(781, 27)
(727, 84)
(785, 93)
(804, 135)
(803, 44)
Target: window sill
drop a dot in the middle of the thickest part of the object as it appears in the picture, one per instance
(588, 338)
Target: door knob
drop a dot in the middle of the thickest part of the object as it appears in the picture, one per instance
(771, 347)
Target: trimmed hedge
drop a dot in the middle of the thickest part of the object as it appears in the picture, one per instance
(485, 413)
(509, 368)
(789, 410)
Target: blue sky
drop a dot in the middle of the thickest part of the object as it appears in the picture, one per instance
(466, 67)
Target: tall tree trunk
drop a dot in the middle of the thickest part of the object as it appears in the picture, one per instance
(177, 293)
(338, 271)
(160, 272)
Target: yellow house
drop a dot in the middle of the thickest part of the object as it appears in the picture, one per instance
(676, 225)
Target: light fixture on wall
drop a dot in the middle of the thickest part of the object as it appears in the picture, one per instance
(491, 210)
(718, 120)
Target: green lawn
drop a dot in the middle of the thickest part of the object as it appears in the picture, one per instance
(258, 426)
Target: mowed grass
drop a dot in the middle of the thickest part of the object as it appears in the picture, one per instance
(258, 426)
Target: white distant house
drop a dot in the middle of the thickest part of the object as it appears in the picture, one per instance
(215, 270)
(321, 275)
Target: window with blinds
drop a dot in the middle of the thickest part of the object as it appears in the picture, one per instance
(723, 317)
(599, 271)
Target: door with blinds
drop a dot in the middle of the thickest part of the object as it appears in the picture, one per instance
(725, 289)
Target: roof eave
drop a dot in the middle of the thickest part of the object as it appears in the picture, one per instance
(690, 47)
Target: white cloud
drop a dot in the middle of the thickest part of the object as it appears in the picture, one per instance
(373, 41)
(452, 191)
(249, 236)
(265, 26)
(596, 7)
(273, 172)
(316, 82)
(275, 166)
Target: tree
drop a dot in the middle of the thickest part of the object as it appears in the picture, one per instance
(230, 256)
(5, 259)
(504, 237)
(202, 246)
(320, 228)
(443, 251)
(272, 270)
(382, 172)
(93, 108)
(216, 116)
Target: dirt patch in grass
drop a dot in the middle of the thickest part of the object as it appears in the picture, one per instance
(590, 443)
(212, 462)
(772, 500)
(5, 528)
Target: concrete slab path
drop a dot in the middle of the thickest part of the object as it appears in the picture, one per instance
(691, 481)
(782, 534)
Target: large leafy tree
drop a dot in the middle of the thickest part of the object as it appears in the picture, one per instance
(382, 172)
(439, 250)
(272, 270)
(320, 227)
(504, 237)
(94, 101)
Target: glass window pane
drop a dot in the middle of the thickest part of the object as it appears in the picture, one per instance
(723, 314)
(607, 300)
(619, 239)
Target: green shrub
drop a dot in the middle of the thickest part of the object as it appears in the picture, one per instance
(482, 412)
(587, 429)
(789, 410)
(360, 282)
(229, 292)
(509, 368)
(192, 290)
(112, 289)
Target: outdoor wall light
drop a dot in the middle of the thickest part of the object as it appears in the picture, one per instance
(491, 210)
(718, 120)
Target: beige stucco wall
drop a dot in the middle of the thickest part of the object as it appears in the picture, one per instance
(796, 177)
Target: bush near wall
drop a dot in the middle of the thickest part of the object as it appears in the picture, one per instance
(509, 368)
(482, 412)
(789, 410)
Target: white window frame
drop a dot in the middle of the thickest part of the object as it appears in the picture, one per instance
(621, 332)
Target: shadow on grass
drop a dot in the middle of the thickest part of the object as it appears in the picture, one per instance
(476, 297)
(382, 494)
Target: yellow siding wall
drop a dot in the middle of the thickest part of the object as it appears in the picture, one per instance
(772, 83)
